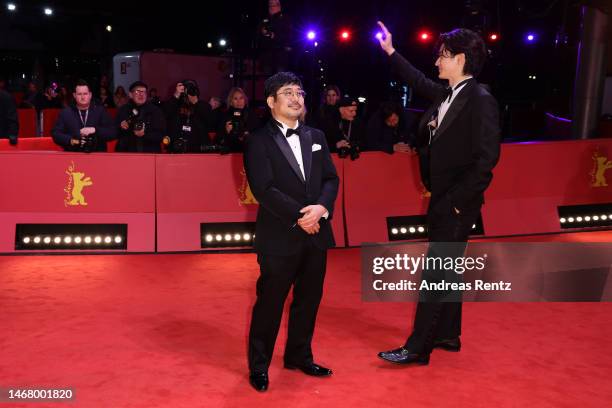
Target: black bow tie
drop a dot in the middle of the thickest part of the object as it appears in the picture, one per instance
(291, 132)
(449, 90)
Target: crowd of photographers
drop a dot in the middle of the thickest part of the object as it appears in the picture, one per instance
(187, 124)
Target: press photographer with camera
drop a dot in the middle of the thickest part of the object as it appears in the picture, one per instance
(347, 134)
(188, 119)
(84, 126)
(141, 125)
(238, 121)
(274, 39)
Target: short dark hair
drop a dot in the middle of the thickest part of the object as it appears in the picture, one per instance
(278, 80)
(464, 41)
(82, 82)
(389, 108)
(138, 84)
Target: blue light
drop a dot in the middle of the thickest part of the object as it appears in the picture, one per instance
(311, 35)
(530, 37)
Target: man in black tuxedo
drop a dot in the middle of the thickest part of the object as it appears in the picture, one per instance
(458, 143)
(292, 176)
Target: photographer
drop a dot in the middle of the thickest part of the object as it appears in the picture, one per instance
(188, 119)
(83, 127)
(346, 135)
(238, 121)
(274, 39)
(390, 129)
(141, 125)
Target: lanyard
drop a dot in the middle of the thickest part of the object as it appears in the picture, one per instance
(84, 122)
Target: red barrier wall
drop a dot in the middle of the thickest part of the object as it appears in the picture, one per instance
(30, 144)
(49, 117)
(27, 123)
(43, 187)
(194, 189)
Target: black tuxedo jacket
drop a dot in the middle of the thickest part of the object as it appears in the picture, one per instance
(457, 165)
(278, 185)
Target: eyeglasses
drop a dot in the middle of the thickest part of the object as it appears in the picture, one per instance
(140, 91)
(293, 94)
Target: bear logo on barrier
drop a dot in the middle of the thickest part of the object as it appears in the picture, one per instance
(600, 165)
(77, 181)
(246, 195)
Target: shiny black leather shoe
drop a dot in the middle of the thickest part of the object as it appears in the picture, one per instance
(404, 356)
(311, 369)
(259, 381)
(448, 344)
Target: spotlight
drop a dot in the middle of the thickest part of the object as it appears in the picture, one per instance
(47, 240)
(311, 35)
(209, 238)
(604, 217)
(88, 240)
(57, 240)
(345, 35)
(237, 237)
(222, 42)
(493, 37)
(425, 36)
(98, 239)
(68, 240)
(530, 37)
(77, 240)
(48, 11)
(228, 237)
(11, 7)
(26, 240)
(37, 240)
(403, 230)
(570, 219)
(595, 218)
(379, 35)
(587, 218)
(316, 44)
(118, 239)
(109, 28)
(246, 236)
(412, 230)
(108, 240)
(394, 231)
(219, 237)
(209, 45)
(562, 220)
(421, 229)
(578, 219)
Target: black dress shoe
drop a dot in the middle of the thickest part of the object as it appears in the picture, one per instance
(448, 344)
(259, 381)
(404, 356)
(310, 369)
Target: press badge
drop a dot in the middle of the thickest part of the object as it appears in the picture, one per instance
(186, 128)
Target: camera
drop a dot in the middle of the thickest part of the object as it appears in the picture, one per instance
(134, 120)
(89, 143)
(237, 121)
(215, 148)
(351, 151)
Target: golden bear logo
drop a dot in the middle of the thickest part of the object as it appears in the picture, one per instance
(598, 174)
(74, 188)
(246, 195)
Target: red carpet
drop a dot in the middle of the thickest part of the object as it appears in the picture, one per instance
(170, 331)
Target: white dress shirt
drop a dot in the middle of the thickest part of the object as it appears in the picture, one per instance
(445, 105)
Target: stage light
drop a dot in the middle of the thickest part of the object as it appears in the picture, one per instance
(67, 240)
(57, 240)
(403, 230)
(118, 239)
(47, 240)
(228, 237)
(26, 240)
(316, 44)
(237, 237)
(379, 35)
(209, 45)
(530, 37)
(345, 35)
(562, 220)
(222, 42)
(77, 240)
(226, 234)
(88, 240)
(108, 240)
(425, 36)
(246, 237)
(587, 218)
(412, 230)
(421, 229)
(219, 237)
(473, 226)
(48, 11)
(11, 7)
(98, 239)
(311, 35)
(109, 28)
(361, 99)
(604, 217)
(595, 218)
(209, 238)
(578, 219)
(493, 37)
(394, 231)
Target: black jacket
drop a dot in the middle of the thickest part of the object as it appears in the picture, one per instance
(248, 122)
(457, 165)
(277, 183)
(9, 122)
(192, 127)
(381, 137)
(68, 126)
(155, 129)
